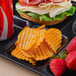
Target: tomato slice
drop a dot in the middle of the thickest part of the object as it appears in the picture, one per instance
(23, 2)
(47, 1)
(30, 2)
(35, 1)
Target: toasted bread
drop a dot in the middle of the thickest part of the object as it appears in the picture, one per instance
(41, 22)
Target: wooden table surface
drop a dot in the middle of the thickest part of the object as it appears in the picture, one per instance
(8, 68)
(74, 0)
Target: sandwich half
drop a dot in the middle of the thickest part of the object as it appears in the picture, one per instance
(48, 12)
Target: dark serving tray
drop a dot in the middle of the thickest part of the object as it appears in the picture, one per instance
(42, 67)
(68, 28)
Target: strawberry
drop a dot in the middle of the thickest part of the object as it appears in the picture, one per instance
(71, 60)
(72, 45)
(58, 66)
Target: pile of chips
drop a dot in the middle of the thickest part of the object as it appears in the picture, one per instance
(37, 44)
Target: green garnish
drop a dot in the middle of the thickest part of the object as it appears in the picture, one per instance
(61, 55)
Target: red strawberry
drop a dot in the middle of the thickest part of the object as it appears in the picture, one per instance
(72, 45)
(71, 60)
(58, 66)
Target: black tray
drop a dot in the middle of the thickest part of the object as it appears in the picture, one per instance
(42, 67)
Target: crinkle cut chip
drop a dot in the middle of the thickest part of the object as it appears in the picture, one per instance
(37, 44)
(20, 54)
(54, 38)
(29, 37)
(42, 52)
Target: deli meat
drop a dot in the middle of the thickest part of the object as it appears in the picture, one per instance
(36, 2)
(57, 1)
(30, 2)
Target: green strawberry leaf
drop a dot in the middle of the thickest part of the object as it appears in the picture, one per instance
(61, 55)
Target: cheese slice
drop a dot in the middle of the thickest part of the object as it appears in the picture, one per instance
(58, 10)
(36, 10)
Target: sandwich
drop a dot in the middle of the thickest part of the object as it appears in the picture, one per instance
(48, 12)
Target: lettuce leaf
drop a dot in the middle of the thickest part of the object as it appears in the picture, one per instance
(20, 11)
(17, 3)
(70, 12)
(34, 16)
(46, 17)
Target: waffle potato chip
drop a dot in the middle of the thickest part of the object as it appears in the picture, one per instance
(41, 27)
(42, 52)
(54, 38)
(20, 54)
(37, 44)
(29, 37)
(21, 35)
